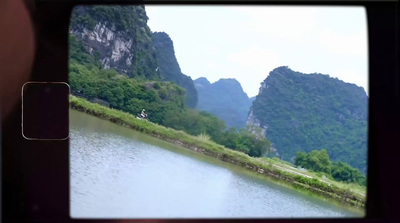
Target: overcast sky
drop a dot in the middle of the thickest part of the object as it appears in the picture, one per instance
(247, 42)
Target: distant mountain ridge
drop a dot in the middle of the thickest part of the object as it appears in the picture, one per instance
(297, 112)
(168, 66)
(224, 99)
(304, 112)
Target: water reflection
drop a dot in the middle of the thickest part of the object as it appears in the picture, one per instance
(120, 173)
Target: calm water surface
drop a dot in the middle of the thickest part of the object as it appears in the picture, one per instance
(120, 173)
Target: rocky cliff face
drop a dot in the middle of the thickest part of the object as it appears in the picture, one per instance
(115, 50)
(304, 112)
(253, 121)
(118, 36)
(224, 99)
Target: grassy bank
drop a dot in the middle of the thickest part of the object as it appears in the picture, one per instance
(271, 167)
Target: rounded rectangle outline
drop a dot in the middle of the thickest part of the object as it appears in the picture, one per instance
(22, 107)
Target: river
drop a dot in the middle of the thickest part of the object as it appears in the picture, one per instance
(116, 172)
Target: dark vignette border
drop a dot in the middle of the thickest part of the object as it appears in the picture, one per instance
(35, 174)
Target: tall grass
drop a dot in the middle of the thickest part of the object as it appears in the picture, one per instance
(204, 137)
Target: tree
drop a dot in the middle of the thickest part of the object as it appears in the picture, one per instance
(344, 172)
(228, 138)
(301, 159)
(245, 141)
(319, 161)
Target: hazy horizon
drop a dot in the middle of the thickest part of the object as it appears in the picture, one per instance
(225, 78)
(247, 42)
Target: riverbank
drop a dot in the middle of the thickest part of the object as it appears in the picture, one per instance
(336, 190)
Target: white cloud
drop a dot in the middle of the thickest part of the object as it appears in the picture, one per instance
(247, 42)
(286, 22)
(211, 64)
(251, 66)
(255, 57)
(344, 44)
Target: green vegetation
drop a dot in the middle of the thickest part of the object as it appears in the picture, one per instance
(306, 112)
(128, 24)
(148, 76)
(164, 101)
(126, 18)
(319, 161)
(125, 43)
(266, 166)
(77, 53)
(344, 172)
(246, 141)
(231, 105)
(124, 93)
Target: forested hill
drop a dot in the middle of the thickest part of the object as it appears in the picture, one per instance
(224, 99)
(169, 68)
(116, 61)
(305, 112)
(118, 38)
